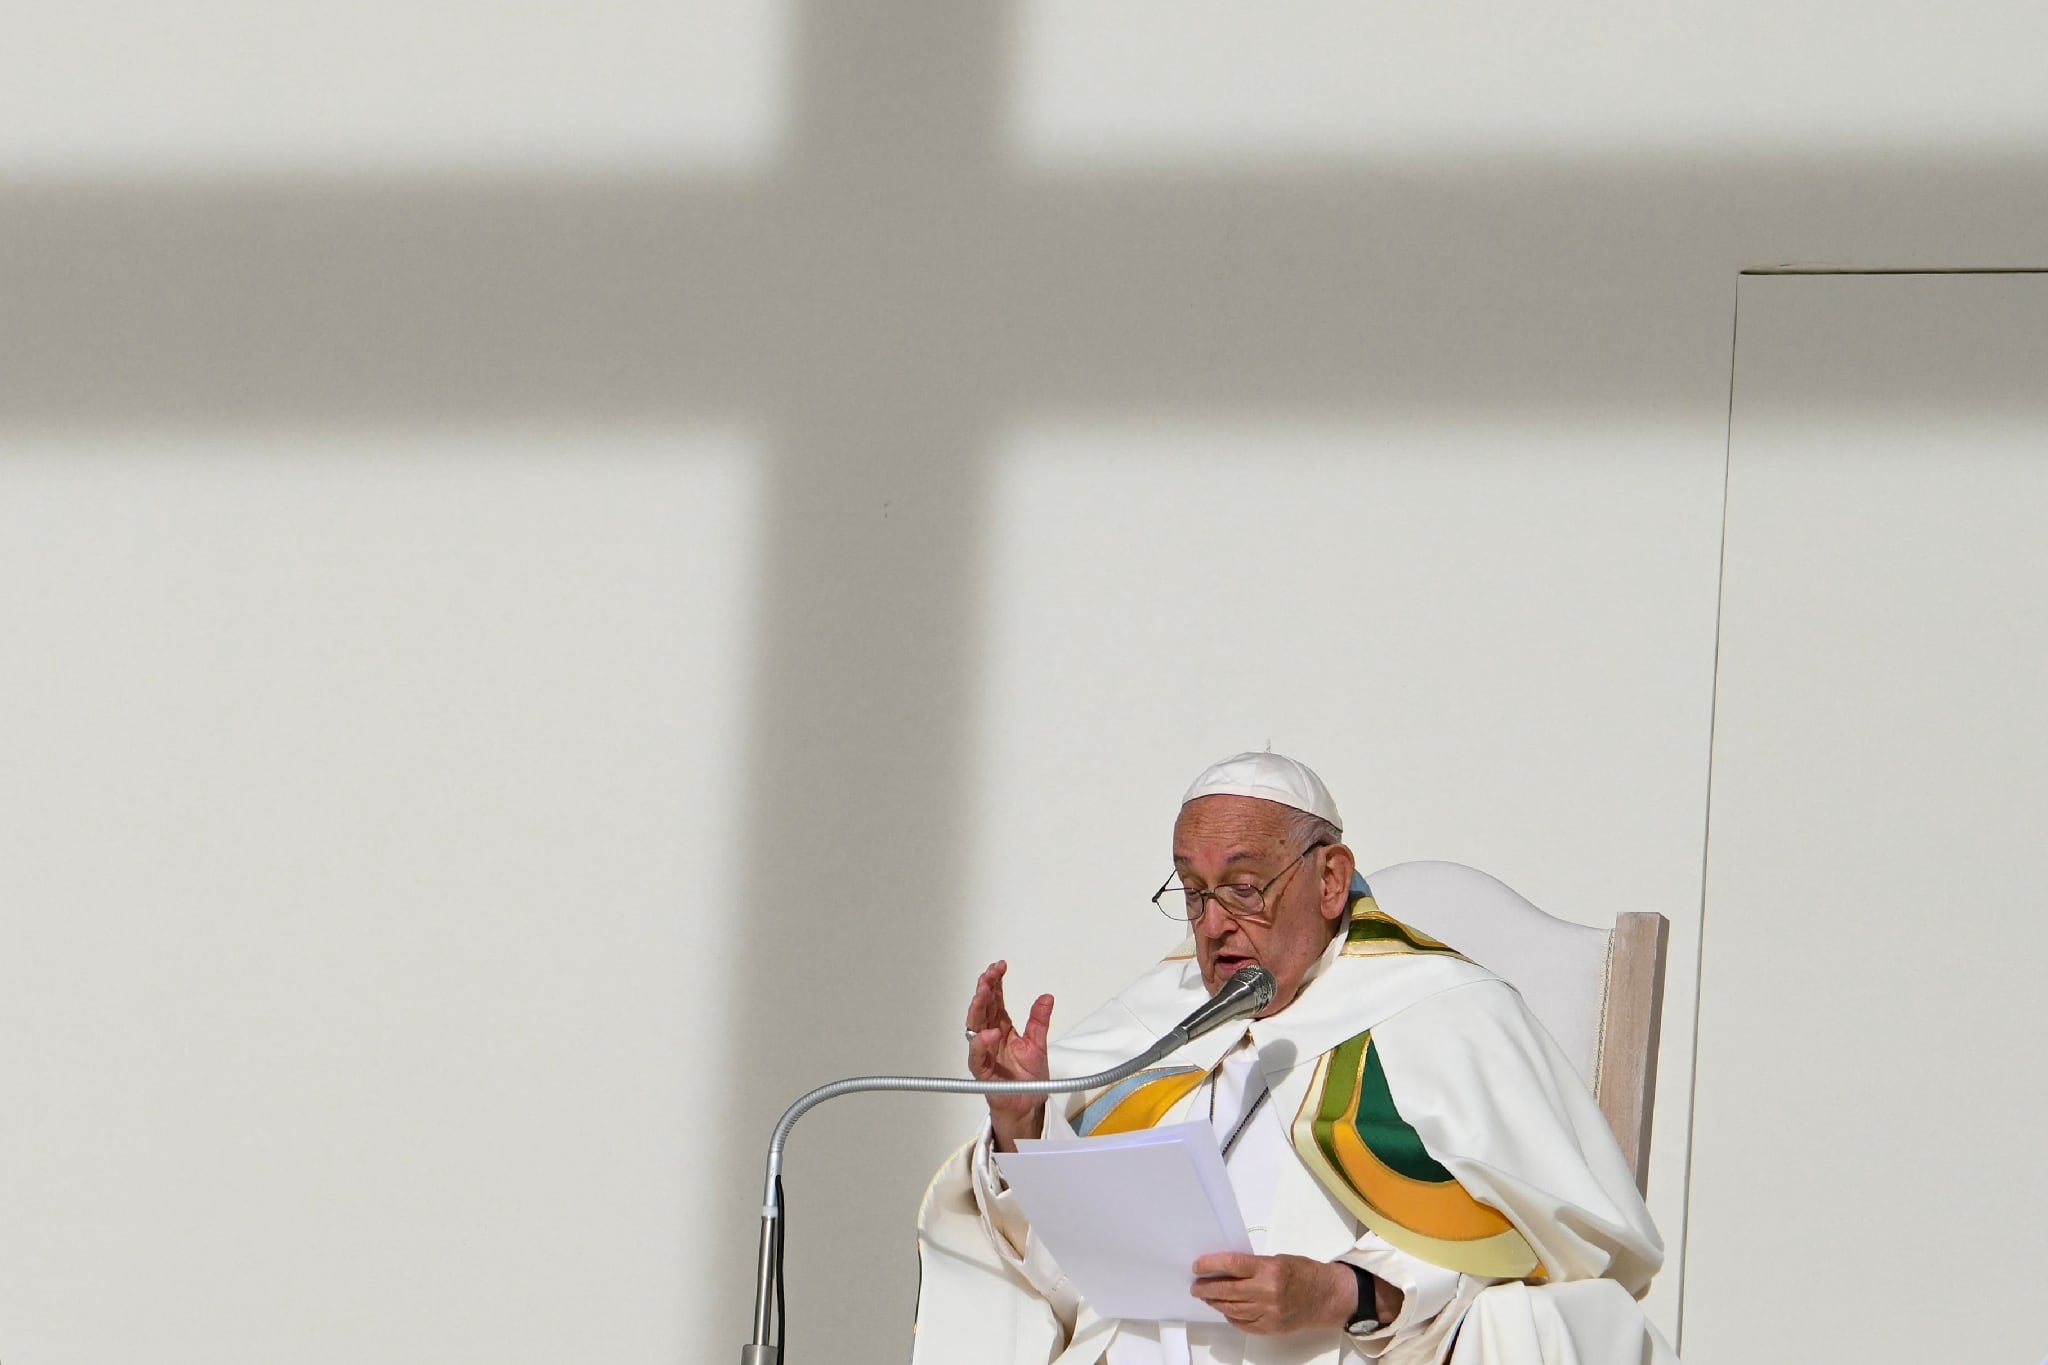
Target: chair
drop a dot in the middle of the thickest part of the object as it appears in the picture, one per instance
(1600, 993)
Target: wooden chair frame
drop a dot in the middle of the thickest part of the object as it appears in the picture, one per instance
(1631, 1024)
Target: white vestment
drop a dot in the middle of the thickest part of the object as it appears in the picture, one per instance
(1483, 1087)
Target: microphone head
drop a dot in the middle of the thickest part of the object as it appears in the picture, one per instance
(1254, 981)
(1249, 990)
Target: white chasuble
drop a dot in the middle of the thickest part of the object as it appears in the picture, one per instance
(1419, 1123)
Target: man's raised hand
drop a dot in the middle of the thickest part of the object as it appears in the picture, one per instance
(996, 1051)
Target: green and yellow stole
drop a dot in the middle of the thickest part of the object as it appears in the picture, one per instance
(1351, 1136)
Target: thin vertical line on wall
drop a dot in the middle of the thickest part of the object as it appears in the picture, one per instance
(1707, 814)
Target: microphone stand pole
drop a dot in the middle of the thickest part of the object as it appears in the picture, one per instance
(761, 1351)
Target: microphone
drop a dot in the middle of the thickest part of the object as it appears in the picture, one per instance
(1249, 990)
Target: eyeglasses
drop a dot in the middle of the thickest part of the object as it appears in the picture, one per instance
(1240, 900)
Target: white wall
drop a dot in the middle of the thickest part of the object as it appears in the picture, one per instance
(750, 467)
(1868, 1080)
(352, 832)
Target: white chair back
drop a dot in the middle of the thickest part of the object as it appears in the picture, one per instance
(1599, 992)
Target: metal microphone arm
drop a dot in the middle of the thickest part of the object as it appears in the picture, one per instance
(1254, 995)
(761, 1352)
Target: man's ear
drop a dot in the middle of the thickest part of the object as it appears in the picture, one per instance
(1338, 865)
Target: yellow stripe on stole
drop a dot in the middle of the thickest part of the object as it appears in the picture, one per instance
(1505, 1255)
(1145, 1106)
(1439, 1208)
(1366, 912)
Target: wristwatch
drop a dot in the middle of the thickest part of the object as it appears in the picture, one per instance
(1362, 1319)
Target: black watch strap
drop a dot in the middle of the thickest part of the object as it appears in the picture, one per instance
(1362, 1318)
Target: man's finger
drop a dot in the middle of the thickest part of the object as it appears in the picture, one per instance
(1226, 1293)
(1039, 1026)
(997, 1011)
(1234, 1264)
(985, 1007)
(1238, 1311)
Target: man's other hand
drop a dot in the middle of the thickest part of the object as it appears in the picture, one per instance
(996, 1051)
(1268, 1295)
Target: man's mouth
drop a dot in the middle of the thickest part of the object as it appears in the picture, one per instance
(1226, 964)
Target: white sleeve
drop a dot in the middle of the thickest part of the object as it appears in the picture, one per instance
(1426, 1290)
(1009, 1231)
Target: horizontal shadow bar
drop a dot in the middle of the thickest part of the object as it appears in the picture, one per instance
(1375, 287)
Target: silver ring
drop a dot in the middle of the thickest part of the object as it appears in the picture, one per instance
(971, 1033)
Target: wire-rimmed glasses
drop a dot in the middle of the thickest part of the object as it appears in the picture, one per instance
(1240, 900)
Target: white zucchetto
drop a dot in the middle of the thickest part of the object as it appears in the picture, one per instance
(1269, 777)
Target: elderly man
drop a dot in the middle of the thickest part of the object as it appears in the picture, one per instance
(1423, 1176)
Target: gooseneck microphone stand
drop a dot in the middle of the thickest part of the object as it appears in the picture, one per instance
(1249, 990)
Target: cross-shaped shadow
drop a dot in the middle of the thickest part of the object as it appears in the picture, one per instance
(884, 303)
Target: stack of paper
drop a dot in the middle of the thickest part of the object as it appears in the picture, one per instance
(1126, 1216)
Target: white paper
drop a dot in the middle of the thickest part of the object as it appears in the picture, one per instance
(1126, 1216)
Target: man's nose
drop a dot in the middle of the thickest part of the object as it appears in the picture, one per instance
(1214, 920)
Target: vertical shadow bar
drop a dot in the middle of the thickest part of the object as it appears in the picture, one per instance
(861, 713)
